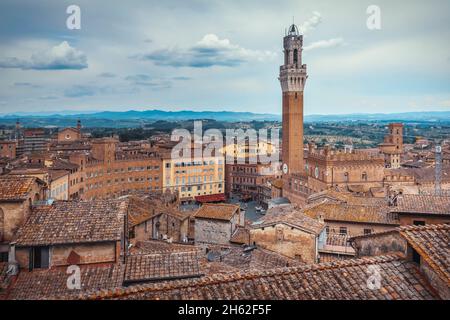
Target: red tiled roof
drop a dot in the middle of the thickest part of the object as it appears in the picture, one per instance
(73, 222)
(291, 216)
(143, 209)
(346, 197)
(343, 280)
(350, 213)
(51, 283)
(13, 188)
(424, 204)
(432, 243)
(158, 246)
(218, 211)
(3, 276)
(161, 266)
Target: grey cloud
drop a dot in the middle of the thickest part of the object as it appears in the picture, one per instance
(148, 81)
(79, 91)
(208, 52)
(22, 84)
(107, 75)
(25, 85)
(182, 78)
(60, 57)
(323, 44)
(48, 97)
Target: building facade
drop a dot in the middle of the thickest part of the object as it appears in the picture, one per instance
(191, 178)
(8, 149)
(392, 147)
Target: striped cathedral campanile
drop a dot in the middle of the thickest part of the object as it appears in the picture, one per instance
(292, 78)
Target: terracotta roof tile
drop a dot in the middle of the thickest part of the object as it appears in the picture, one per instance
(291, 216)
(425, 204)
(218, 211)
(162, 266)
(351, 213)
(14, 188)
(61, 164)
(345, 197)
(141, 210)
(345, 280)
(250, 258)
(73, 222)
(52, 283)
(3, 276)
(213, 267)
(158, 246)
(432, 243)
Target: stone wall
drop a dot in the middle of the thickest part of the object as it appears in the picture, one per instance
(212, 231)
(435, 280)
(382, 244)
(356, 229)
(169, 227)
(14, 215)
(408, 219)
(143, 231)
(286, 240)
(100, 252)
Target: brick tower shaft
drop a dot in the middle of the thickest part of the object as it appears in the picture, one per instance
(292, 78)
(292, 152)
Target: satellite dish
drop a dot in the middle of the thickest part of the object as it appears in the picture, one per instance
(285, 168)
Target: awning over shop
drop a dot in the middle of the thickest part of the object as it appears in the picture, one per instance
(211, 198)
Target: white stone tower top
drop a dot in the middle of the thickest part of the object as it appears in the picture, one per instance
(293, 73)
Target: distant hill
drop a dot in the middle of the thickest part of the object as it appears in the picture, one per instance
(134, 118)
(150, 115)
(432, 116)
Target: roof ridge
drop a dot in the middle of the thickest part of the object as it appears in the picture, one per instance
(425, 227)
(221, 204)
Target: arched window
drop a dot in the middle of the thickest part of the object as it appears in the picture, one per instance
(295, 56)
(346, 176)
(364, 176)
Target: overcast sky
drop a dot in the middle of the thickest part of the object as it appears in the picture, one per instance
(222, 55)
